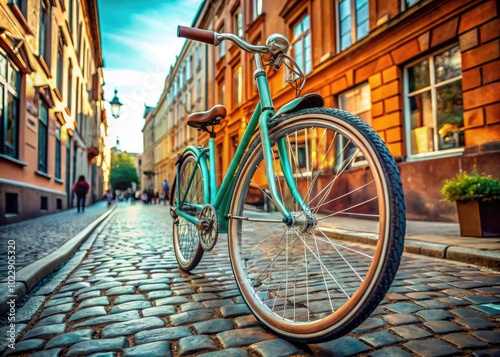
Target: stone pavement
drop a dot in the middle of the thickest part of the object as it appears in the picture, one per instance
(37, 238)
(122, 294)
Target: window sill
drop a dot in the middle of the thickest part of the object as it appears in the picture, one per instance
(58, 94)
(44, 65)
(435, 155)
(59, 181)
(43, 174)
(13, 160)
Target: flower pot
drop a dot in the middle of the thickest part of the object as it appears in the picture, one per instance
(479, 218)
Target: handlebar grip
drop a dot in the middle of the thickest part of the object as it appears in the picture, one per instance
(195, 34)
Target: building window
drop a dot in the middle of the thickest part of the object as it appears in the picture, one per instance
(237, 86)
(70, 86)
(9, 108)
(77, 109)
(198, 57)
(44, 203)
(353, 21)
(222, 45)
(68, 167)
(181, 78)
(434, 103)
(358, 102)
(44, 33)
(70, 14)
(410, 3)
(188, 68)
(238, 22)
(22, 6)
(58, 152)
(43, 136)
(222, 91)
(198, 89)
(302, 44)
(180, 137)
(11, 206)
(60, 63)
(256, 8)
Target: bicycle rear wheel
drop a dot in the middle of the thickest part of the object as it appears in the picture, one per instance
(300, 279)
(187, 247)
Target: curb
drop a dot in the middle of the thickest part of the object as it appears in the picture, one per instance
(29, 276)
(484, 258)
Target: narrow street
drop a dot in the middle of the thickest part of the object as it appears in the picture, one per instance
(128, 298)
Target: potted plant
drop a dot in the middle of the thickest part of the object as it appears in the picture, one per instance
(478, 203)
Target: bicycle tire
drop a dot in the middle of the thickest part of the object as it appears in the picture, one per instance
(300, 281)
(187, 247)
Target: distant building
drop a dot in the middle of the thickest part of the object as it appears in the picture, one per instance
(148, 169)
(51, 105)
(425, 74)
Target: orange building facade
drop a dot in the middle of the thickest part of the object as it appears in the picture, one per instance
(425, 74)
(51, 106)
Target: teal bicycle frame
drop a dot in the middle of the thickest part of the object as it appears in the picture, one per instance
(219, 197)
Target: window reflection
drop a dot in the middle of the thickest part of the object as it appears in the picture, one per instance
(435, 103)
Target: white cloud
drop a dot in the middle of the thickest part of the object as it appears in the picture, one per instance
(137, 61)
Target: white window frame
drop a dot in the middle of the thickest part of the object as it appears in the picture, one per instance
(257, 6)
(407, 114)
(359, 160)
(301, 40)
(354, 28)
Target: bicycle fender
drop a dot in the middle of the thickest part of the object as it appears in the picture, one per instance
(312, 100)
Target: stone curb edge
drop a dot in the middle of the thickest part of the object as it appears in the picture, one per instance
(483, 258)
(28, 277)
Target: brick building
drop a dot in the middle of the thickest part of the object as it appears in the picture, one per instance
(425, 74)
(51, 105)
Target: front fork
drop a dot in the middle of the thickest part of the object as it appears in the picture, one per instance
(288, 217)
(267, 113)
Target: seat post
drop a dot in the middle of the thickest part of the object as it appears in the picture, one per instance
(212, 133)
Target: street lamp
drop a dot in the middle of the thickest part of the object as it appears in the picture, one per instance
(115, 106)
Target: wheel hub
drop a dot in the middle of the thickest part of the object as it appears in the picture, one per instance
(304, 221)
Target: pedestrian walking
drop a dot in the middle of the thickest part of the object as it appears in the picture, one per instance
(151, 196)
(109, 197)
(165, 192)
(81, 188)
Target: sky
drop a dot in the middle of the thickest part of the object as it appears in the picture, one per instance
(139, 44)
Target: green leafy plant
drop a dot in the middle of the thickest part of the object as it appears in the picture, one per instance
(471, 186)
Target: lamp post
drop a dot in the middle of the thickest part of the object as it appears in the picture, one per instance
(115, 106)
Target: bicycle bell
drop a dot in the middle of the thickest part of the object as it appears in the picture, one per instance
(277, 44)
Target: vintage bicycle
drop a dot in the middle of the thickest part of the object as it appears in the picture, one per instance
(301, 175)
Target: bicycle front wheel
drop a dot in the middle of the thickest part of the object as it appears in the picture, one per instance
(187, 247)
(300, 279)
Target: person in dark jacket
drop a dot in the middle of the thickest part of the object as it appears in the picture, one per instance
(81, 188)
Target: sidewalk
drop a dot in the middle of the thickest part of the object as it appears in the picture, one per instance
(41, 245)
(44, 243)
(434, 239)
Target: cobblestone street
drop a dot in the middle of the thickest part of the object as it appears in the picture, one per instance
(127, 297)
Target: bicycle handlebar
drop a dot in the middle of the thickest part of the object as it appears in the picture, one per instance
(214, 38)
(276, 46)
(195, 34)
